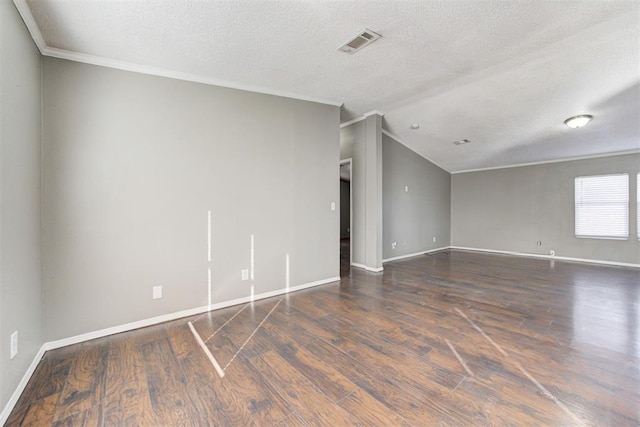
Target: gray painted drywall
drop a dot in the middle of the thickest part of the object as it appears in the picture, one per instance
(345, 210)
(20, 142)
(132, 165)
(352, 147)
(362, 142)
(373, 190)
(512, 209)
(412, 219)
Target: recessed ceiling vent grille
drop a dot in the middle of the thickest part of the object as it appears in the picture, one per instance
(363, 39)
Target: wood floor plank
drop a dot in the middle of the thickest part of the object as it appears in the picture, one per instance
(304, 397)
(84, 387)
(261, 399)
(17, 415)
(333, 384)
(388, 357)
(126, 397)
(367, 411)
(539, 344)
(407, 401)
(167, 385)
(40, 413)
(227, 341)
(51, 376)
(293, 420)
(91, 417)
(219, 403)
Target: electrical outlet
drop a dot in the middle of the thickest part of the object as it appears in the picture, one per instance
(333, 206)
(552, 253)
(434, 239)
(406, 188)
(157, 292)
(245, 274)
(14, 344)
(393, 245)
(539, 243)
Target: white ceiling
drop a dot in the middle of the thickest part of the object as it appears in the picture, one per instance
(504, 74)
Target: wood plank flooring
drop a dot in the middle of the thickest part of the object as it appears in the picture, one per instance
(452, 338)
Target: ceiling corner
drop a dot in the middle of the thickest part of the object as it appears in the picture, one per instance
(25, 11)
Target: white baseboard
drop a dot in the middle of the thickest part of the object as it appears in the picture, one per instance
(396, 258)
(141, 324)
(21, 385)
(185, 313)
(51, 345)
(179, 314)
(549, 257)
(367, 268)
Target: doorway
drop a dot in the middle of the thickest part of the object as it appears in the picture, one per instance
(346, 222)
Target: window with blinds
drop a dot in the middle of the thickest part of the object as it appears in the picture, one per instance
(602, 206)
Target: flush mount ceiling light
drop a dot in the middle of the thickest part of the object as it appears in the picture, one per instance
(415, 126)
(576, 122)
(461, 141)
(365, 38)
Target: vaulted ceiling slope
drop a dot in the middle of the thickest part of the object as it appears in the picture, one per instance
(503, 74)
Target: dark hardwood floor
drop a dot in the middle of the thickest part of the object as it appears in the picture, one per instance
(452, 338)
(345, 257)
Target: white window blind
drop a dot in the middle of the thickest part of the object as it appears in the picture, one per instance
(602, 206)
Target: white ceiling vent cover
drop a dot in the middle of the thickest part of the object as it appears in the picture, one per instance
(366, 37)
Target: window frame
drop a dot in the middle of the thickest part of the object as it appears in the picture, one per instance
(627, 209)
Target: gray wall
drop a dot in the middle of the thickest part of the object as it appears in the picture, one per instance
(362, 142)
(132, 165)
(20, 278)
(373, 191)
(352, 147)
(511, 209)
(413, 218)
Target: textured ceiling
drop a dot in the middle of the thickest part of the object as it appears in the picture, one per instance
(504, 74)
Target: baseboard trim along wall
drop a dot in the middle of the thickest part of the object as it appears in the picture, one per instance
(141, 324)
(397, 258)
(179, 314)
(494, 251)
(21, 385)
(549, 257)
(367, 268)
(185, 313)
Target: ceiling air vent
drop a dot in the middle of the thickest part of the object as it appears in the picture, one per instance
(363, 39)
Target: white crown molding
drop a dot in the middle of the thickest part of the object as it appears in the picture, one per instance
(32, 26)
(177, 75)
(415, 254)
(21, 386)
(30, 22)
(371, 113)
(350, 122)
(394, 137)
(549, 257)
(361, 118)
(545, 162)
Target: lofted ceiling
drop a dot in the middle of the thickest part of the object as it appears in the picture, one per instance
(504, 74)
